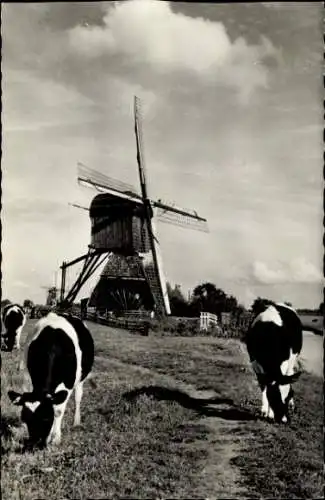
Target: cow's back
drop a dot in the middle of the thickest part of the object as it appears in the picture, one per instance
(13, 316)
(86, 344)
(51, 360)
(292, 327)
(52, 354)
(269, 342)
(5, 310)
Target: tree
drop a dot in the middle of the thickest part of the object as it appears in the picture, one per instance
(231, 304)
(5, 302)
(207, 297)
(178, 304)
(28, 303)
(260, 304)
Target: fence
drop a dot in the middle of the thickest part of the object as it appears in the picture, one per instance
(207, 319)
(129, 321)
(141, 321)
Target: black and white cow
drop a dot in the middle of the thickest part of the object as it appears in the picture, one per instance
(14, 319)
(59, 355)
(274, 341)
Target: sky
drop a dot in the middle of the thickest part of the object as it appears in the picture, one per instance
(232, 123)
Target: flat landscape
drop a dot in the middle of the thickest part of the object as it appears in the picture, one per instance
(312, 322)
(167, 417)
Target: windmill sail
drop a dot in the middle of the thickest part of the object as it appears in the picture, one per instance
(165, 212)
(105, 183)
(155, 276)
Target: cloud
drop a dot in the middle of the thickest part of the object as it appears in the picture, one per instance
(40, 103)
(149, 33)
(264, 274)
(303, 271)
(299, 270)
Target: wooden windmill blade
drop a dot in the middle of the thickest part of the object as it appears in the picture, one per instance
(101, 182)
(180, 217)
(165, 212)
(155, 275)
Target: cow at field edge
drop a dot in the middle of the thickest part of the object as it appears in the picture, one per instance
(274, 341)
(14, 319)
(59, 355)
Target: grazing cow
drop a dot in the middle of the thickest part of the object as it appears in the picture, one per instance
(59, 355)
(274, 340)
(14, 319)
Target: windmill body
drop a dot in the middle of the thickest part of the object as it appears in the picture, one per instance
(123, 232)
(118, 225)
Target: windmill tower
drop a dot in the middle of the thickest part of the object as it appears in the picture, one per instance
(52, 295)
(123, 232)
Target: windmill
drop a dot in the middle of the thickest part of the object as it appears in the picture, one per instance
(52, 295)
(124, 234)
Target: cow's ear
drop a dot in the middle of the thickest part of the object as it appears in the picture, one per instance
(58, 397)
(289, 379)
(16, 398)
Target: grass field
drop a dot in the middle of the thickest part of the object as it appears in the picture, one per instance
(150, 431)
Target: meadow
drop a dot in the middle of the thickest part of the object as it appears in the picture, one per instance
(167, 417)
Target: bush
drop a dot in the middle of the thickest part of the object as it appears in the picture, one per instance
(175, 326)
(190, 327)
(41, 311)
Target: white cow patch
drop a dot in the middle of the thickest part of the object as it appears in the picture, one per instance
(13, 308)
(287, 368)
(269, 315)
(32, 405)
(59, 410)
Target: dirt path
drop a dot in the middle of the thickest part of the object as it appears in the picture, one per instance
(219, 478)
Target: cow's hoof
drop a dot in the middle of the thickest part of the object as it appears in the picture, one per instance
(264, 412)
(54, 441)
(270, 414)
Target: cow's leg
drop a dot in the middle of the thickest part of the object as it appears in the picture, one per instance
(55, 434)
(287, 368)
(18, 335)
(266, 409)
(265, 403)
(270, 413)
(78, 396)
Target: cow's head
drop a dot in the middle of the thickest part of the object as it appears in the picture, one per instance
(38, 413)
(279, 393)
